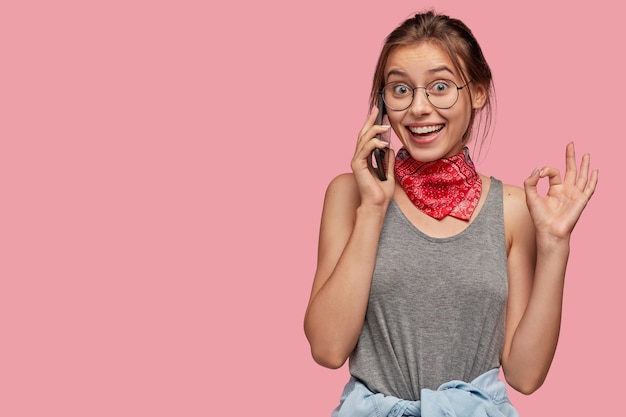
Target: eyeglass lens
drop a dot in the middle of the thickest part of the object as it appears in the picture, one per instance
(442, 94)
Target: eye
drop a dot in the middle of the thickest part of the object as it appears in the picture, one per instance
(400, 89)
(439, 87)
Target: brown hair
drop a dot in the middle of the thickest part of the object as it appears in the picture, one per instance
(458, 41)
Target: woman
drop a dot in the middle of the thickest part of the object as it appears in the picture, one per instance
(434, 279)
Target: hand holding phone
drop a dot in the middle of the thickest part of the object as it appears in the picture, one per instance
(379, 154)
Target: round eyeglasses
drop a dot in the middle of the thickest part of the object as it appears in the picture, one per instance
(442, 94)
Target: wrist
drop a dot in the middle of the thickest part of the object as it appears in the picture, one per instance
(375, 211)
(550, 244)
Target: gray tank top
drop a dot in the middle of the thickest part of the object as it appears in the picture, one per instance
(437, 305)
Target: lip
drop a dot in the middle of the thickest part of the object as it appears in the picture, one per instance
(423, 139)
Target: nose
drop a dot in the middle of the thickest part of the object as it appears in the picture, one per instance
(420, 104)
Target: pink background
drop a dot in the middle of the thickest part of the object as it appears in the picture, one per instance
(162, 170)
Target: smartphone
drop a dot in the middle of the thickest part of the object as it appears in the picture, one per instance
(379, 154)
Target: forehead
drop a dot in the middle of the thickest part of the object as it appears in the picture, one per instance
(420, 59)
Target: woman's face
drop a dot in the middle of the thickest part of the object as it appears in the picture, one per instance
(427, 132)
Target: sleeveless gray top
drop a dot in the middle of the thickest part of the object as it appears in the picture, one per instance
(437, 305)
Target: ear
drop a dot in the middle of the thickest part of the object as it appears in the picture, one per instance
(479, 96)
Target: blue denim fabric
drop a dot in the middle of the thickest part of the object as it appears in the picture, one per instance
(485, 396)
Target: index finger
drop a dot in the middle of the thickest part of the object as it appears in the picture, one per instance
(371, 120)
(570, 164)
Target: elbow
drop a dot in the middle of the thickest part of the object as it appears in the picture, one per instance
(325, 352)
(328, 358)
(525, 377)
(527, 385)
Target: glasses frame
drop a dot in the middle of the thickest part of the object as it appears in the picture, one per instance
(382, 93)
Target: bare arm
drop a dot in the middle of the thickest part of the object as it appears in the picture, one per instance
(347, 251)
(352, 218)
(538, 255)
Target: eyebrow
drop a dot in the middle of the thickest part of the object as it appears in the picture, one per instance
(435, 70)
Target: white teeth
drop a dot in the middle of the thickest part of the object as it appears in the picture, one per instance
(425, 129)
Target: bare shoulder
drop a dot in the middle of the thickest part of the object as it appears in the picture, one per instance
(514, 200)
(343, 181)
(342, 192)
(517, 218)
(338, 218)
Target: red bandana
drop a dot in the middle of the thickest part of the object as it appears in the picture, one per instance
(448, 186)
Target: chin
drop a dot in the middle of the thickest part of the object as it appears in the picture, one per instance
(429, 154)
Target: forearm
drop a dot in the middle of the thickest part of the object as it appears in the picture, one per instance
(336, 312)
(536, 337)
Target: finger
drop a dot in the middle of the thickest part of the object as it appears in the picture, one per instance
(363, 155)
(570, 164)
(391, 162)
(369, 141)
(583, 176)
(553, 174)
(530, 185)
(369, 131)
(371, 119)
(590, 188)
(370, 166)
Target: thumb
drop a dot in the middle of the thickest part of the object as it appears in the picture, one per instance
(391, 162)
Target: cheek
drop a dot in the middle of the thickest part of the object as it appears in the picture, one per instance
(462, 116)
(395, 120)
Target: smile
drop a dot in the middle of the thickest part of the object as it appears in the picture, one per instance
(425, 129)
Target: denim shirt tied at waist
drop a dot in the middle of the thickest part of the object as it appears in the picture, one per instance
(485, 396)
